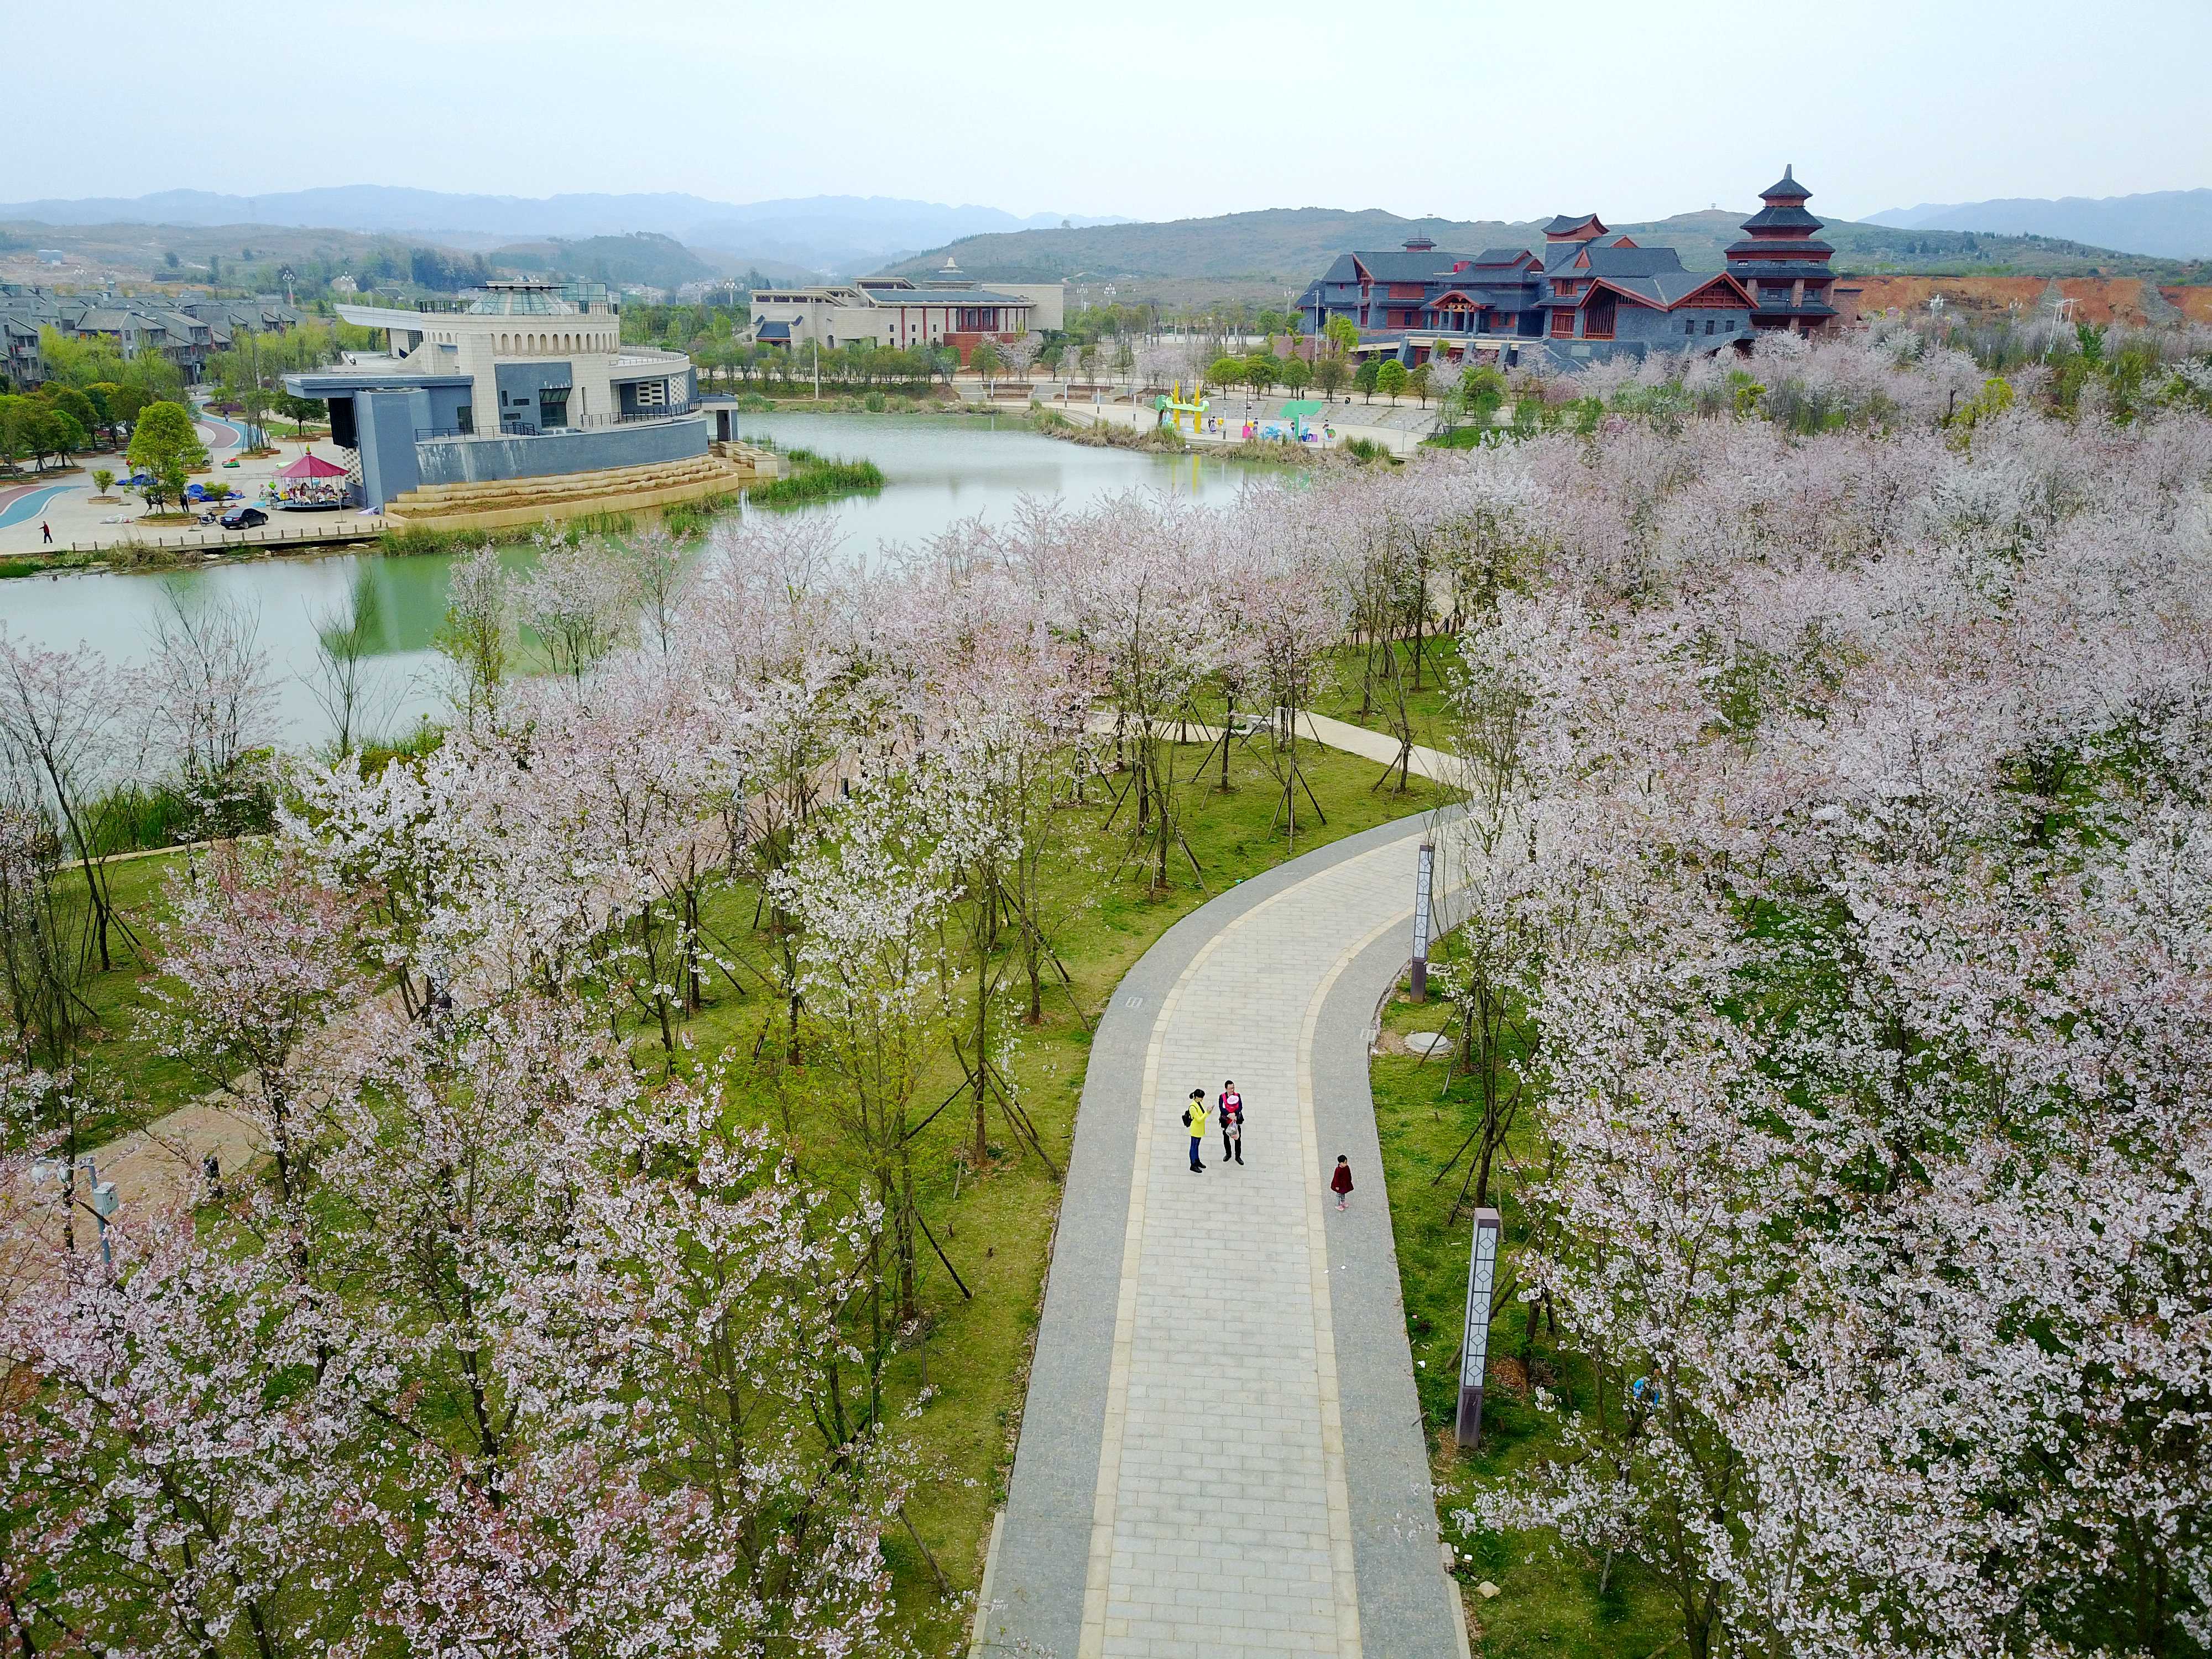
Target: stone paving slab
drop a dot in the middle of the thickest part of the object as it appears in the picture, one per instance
(1187, 1479)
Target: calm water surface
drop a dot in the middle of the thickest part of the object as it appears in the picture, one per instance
(936, 470)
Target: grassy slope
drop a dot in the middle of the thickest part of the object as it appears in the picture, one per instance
(1549, 1602)
(998, 1230)
(1294, 245)
(127, 1064)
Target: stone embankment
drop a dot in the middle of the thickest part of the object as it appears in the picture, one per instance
(509, 501)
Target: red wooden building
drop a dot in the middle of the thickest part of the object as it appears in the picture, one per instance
(1782, 265)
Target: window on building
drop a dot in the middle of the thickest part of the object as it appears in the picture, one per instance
(1690, 326)
(1708, 324)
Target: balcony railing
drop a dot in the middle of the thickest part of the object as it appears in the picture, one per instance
(584, 423)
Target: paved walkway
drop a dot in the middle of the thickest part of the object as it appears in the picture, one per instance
(1399, 430)
(1222, 1453)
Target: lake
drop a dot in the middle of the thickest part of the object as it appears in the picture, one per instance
(937, 469)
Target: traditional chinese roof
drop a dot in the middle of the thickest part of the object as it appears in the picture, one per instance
(1784, 216)
(1397, 265)
(1785, 189)
(1770, 251)
(1662, 290)
(1771, 270)
(1567, 223)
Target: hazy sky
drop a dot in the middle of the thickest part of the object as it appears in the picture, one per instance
(1458, 107)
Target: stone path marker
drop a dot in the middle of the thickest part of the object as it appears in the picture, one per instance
(1222, 1453)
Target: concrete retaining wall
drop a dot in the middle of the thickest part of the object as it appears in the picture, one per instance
(484, 459)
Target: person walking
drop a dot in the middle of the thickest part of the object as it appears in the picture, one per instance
(1340, 1183)
(1231, 1107)
(45, 534)
(1193, 1118)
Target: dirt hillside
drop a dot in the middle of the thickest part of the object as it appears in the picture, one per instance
(2099, 301)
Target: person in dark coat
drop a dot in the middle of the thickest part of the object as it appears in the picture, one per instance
(1340, 1183)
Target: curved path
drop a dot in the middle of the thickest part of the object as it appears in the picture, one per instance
(217, 432)
(30, 503)
(1222, 1453)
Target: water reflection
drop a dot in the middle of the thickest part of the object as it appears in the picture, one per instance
(936, 470)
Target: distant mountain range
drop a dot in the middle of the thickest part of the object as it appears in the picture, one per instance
(836, 234)
(2173, 224)
(1257, 255)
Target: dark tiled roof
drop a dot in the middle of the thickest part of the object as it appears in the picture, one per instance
(1679, 285)
(1396, 265)
(1769, 245)
(1504, 256)
(1787, 184)
(1567, 222)
(1632, 261)
(774, 331)
(1786, 217)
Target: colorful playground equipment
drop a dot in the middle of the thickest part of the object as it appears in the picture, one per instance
(1173, 408)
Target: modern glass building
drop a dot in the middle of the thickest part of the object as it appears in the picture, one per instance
(517, 379)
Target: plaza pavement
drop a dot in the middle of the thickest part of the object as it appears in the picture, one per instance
(66, 500)
(1222, 1452)
(1398, 429)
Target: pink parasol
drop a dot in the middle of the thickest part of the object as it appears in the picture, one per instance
(311, 466)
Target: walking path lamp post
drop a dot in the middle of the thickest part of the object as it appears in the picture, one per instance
(1424, 876)
(105, 1203)
(1474, 1352)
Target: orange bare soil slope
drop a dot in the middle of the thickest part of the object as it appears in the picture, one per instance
(2098, 301)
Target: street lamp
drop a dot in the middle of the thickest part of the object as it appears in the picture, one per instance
(106, 1200)
(1474, 1348)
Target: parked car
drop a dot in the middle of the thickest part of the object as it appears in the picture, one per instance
(243, 517)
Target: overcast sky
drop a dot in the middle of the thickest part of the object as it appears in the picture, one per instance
(1457, 107)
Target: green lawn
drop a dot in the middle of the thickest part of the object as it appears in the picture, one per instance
(125, 1065)
(1341, 696)
(998, 1230)
(1549, 1602)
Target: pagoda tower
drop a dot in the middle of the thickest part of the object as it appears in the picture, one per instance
(1782, 263)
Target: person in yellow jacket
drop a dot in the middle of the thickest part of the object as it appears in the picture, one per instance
(1193, 1118)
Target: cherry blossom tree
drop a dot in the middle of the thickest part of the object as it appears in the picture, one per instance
(477, 633)
(576, 601)
(1859, 882)
(213, 699)
(65, 743)
(1134, 583)
(255, 957)
(871, 894)
(179, 1461)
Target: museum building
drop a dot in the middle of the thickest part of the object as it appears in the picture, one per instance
(517, 379)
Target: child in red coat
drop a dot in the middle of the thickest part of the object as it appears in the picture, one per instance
(1340, 1183)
